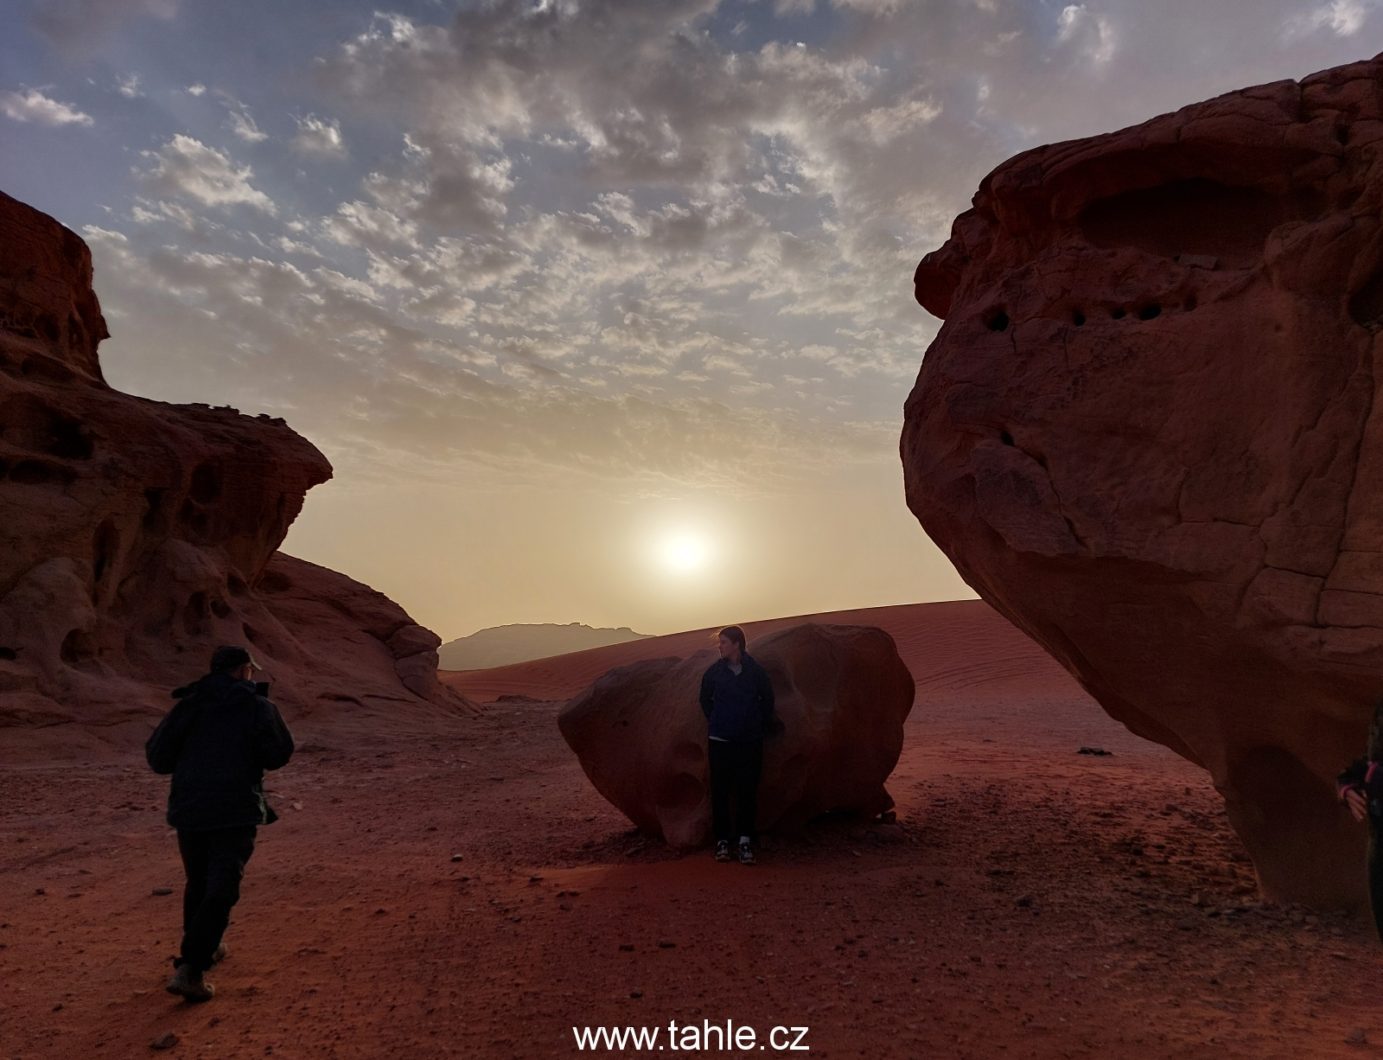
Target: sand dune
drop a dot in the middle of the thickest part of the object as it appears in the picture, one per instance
(948, 646)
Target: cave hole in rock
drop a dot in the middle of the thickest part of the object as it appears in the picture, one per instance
(29, 423)
(104, 546)
(77, 647)
(41, 473)
(996, 320)
(206, 483)
(1150, 312)
(194, 613)
(155, 520)
(1078, 318)
(1366, 304)
(193, 518)
(1196, 215)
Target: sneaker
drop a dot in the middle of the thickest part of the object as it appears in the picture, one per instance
(723, 850)
(746, 854)
(190, 984)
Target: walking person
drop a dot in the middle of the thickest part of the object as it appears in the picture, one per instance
(737, 699)
(216, 742)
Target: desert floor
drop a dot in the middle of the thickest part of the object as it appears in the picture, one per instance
(1028, 900)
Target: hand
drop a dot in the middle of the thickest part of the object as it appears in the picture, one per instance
(1354, 799)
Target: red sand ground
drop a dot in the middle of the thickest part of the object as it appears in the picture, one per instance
(1029, 901)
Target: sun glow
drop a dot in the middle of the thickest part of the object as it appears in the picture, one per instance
(684, 552)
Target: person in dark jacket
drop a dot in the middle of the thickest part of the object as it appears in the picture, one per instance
(217, 741)
(737, 699)
(1360, 787)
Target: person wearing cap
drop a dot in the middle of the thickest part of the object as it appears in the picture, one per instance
(217, 741)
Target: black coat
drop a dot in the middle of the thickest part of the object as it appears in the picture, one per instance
(738, 707)
(217, 741)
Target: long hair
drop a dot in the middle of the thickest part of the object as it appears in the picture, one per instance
(734, 633)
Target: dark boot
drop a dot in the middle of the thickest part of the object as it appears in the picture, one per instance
(189, 983)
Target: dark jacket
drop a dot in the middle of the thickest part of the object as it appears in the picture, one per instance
(217, 741)
(738, 707)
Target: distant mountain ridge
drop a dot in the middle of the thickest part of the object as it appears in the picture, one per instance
(522, 641)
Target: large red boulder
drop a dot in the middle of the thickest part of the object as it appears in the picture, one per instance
(842, 693)
(1148, 434)
(136, 535)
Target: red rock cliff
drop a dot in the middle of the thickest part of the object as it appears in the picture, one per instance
(1148, 433)
(136, 535)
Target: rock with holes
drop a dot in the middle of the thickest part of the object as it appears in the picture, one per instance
(135, 535)
(1148, 433)
(842, 693)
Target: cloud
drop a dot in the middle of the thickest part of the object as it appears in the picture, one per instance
(31, 105)
(557, 215)
(196, 90)
(128, 86)
(1093, 33)
(187, 167)
(319, 136)
(241, 122)
(1344, 18)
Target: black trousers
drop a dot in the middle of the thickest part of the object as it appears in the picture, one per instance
(214, 863)
(735, 769)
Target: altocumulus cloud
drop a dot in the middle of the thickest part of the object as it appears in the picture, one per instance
(187, 167)
(32, 105)
(593, 238)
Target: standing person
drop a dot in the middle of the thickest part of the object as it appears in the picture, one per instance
(1360, 787)
(216, 742)
(737, 699)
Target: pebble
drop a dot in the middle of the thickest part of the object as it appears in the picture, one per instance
(161, 891)
(164, 1041)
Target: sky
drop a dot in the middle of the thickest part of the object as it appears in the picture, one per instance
(601, 309)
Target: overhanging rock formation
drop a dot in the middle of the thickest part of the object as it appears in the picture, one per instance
(135, 535)
(1148, 433)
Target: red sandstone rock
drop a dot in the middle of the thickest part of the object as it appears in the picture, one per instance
(1148, 434)
(842, 692)
(136, 535)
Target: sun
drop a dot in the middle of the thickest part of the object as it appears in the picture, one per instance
(684, 552)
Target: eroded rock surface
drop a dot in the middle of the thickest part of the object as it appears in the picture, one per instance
(842, 692)
(1148, 434)
(135, 535)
